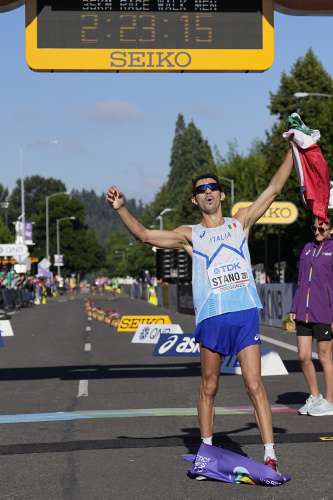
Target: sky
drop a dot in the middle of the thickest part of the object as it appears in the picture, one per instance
(118, 128)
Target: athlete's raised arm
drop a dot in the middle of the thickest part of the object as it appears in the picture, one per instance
(250, 215)
(178, 238)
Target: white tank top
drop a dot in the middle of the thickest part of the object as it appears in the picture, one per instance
(222, 278)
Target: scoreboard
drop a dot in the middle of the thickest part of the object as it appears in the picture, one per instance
(149, 35)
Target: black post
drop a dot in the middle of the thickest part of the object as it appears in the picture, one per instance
(266, 250)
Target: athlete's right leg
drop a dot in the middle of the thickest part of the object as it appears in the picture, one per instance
(210, 373)
(304, 346)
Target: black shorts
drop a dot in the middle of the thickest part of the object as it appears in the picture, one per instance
(319, 331)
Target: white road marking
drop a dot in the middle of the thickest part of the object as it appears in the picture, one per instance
(87, 347)
(285, 345)
(89, 318)
(88, 328)
(83, 388)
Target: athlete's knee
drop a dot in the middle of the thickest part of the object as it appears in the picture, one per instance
(255, 389)
(209, 387)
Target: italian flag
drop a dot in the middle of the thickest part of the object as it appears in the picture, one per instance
(310, 166)
(230, 226)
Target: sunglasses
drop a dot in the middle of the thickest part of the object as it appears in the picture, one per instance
(321, 230)
(213, 186)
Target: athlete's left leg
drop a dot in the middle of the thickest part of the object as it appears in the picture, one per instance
(250, 361)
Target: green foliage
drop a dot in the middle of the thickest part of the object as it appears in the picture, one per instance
(191, 155)
(153, 209)
(4, 193)
(100, 217)
(80, 247)
(35, 190)
(5, 234)
(127, 258)
(140, 258)
(306, 75)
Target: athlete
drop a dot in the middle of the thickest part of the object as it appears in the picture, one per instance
(225, 299)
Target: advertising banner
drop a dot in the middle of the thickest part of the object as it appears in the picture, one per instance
(149, 334)
(6, 328)
(276, 299)
(271, 363)
(185, 299)
(177, 345)
(28, 233)
(131, 323)
(19, 233)
(58, 260)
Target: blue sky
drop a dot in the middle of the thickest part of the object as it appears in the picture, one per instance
(118, 128)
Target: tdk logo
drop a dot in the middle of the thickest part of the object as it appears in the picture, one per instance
(230, 267)
(202, 234)
(217, 271)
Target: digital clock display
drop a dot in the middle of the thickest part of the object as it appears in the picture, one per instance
(149, 35)
(145, 24)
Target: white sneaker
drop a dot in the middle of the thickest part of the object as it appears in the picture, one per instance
(196, 476)
(324, 408)
(310, 403)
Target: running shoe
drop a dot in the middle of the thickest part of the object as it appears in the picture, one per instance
(272, 464)
(310, 403)
(324, 408)
(196, 476)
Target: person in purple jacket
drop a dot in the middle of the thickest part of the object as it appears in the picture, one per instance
(312, 310)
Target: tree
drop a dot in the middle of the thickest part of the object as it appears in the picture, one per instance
(191, 155)
(100, 217)
(36, 188)
(80, 247)
(306, 75)
(5, 234)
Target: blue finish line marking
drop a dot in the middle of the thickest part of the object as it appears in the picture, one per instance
(151, 412)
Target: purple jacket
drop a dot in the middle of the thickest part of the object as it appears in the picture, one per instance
(318, 307)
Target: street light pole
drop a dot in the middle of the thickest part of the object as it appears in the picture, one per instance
(47, 222)
(232, 188)
(5, 205)
(58, 237)
(22, 181)
(160, 216)
(299, 95)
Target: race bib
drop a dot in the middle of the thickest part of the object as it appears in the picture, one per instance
(225, 277)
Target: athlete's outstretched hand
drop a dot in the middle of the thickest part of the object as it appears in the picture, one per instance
(115, 198)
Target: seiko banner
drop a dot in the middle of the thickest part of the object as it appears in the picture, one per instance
(177, 345)
(149, 334)
(132, 323)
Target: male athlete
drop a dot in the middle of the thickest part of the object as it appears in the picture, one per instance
(225, 299)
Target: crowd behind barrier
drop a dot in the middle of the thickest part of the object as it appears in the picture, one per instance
(276, 298)
(19, 290)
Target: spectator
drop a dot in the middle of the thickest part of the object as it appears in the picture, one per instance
(312, 310)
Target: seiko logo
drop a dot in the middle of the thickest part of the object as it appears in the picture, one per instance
(150, 59)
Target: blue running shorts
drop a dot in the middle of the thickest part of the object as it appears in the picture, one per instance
(229, 333)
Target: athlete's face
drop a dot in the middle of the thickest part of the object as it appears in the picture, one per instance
(209, 201)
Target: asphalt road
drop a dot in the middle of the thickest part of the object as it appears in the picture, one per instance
(67, 387)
